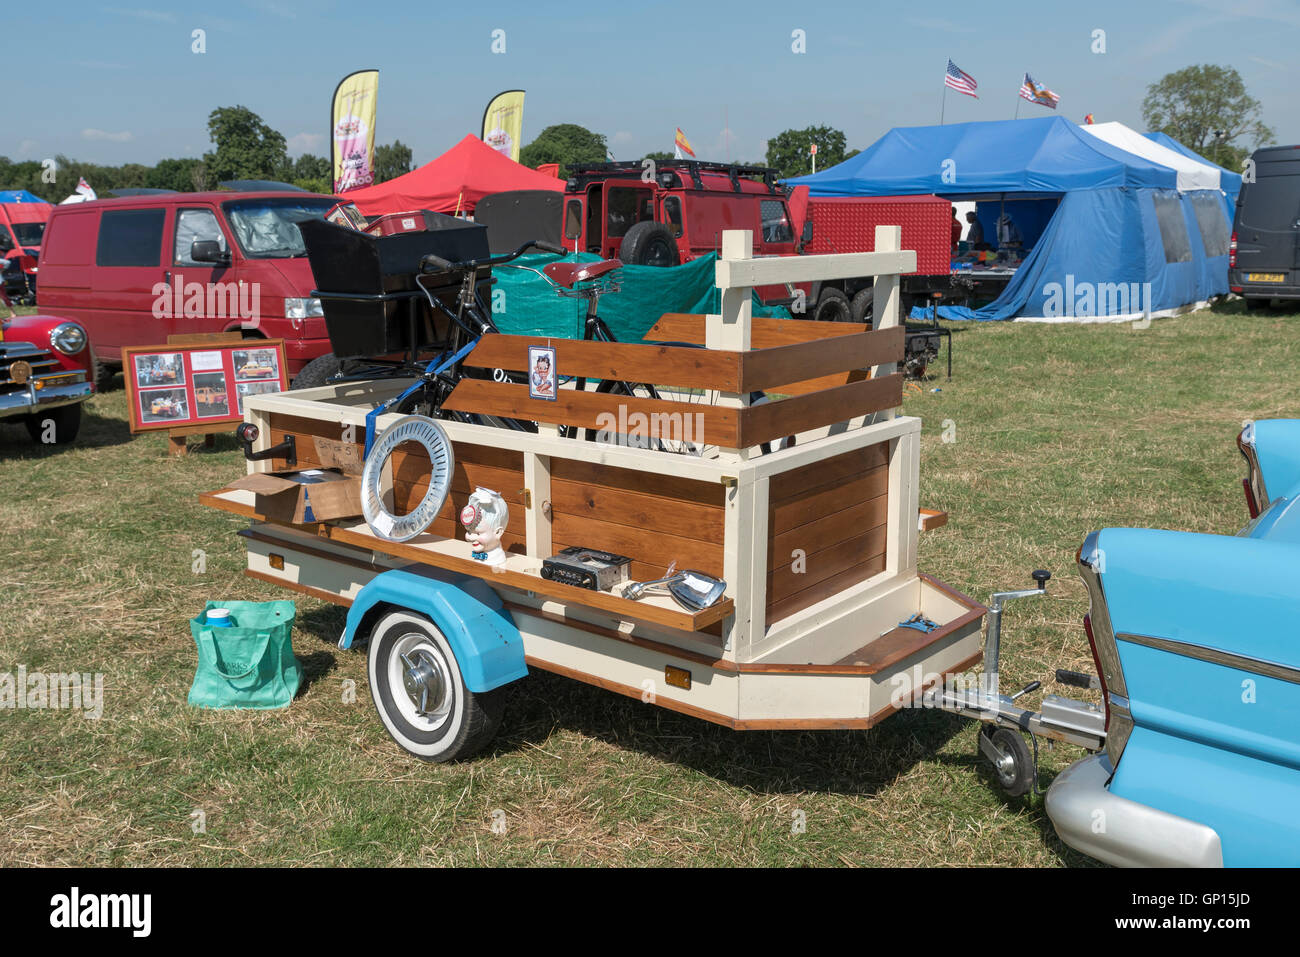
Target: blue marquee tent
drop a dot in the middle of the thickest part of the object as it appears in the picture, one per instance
(1228, 180)
(1102, 222)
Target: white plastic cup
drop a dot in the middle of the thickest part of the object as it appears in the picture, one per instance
(219, 618)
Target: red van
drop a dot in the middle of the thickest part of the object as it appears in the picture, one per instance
(137, 269)
(22, 223)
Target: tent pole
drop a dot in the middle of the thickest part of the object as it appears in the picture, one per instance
(1017, 116)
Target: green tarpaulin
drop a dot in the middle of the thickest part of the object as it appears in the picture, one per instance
(523, 303)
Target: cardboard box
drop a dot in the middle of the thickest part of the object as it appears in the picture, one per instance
(302, 497)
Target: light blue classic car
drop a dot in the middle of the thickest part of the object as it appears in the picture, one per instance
(1197, 642)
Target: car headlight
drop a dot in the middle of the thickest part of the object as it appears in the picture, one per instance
(303, 309)
(68, 337)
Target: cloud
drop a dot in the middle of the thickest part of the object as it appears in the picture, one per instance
(1271, 64)
(93, 134)
(620, 138)
(1274, 11)
(139, 13)
(305, 142)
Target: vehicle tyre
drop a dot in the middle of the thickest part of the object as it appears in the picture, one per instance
(321, 369)
(1015, 769)
(862, 305)
(833, 306)
(103, 373)
(420, 694)
(66, 419)
(649, 244)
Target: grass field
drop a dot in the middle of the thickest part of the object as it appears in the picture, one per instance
(1057, 430)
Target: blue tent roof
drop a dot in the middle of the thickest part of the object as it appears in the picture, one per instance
(18, 196)
(1042, 155)
(1229, 181)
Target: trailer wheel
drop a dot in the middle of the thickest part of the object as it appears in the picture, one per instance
(421, 697)
(1014, 768)
(833, 306)
(863, 305)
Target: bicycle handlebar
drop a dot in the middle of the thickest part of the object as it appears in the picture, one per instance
(434, 263)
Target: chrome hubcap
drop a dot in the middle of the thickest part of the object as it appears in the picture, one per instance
(424, 682)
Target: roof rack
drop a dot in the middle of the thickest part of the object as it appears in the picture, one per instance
(734, 171)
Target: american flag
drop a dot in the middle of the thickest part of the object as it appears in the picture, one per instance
(959, 80)
(1041, 95)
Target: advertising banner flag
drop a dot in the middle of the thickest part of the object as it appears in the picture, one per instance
(352, 130)
(503, 123)
(682, 146)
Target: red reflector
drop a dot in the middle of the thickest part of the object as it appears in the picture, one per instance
(1232, 251)
(1251, 504)
(1096, 663)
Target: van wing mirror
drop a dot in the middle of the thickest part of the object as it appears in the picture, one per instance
(209, 251)
(806, 236)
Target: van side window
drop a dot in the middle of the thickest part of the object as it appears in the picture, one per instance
(673, 215)
(130, 237)
(776, 224)
(6, 243)
(193, 225)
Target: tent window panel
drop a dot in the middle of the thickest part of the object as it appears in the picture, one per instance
(1213, 226)
(1173, 227)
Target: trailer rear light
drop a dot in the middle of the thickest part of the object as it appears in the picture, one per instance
(1232, 251)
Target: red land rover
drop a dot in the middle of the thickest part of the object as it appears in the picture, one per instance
(135, 270)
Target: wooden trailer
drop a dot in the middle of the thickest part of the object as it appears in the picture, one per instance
(816, 540)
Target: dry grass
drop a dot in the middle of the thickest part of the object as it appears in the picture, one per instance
(1059, 431)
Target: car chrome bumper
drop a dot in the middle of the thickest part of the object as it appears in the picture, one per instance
(31, 399)
(1122, 832)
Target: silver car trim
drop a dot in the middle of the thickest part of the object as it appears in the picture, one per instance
(1090, 819)
(1257, 666)
(1092, 563)
(1246, 443)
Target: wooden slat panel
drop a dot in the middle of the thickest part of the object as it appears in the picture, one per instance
(765, 333)
(784, 581)
(689, 519)
(832, 528)
(827, 499)
(770, 370)
(776, 420)
(649, 546)
(719, 426)
(626, 361)
(662, 485)
(824, 589)
(802, 480)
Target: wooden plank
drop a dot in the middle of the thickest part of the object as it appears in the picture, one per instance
(800, 481)
(625, 361)
(766, 333)
(783, 417)
(829, 529)
(769, 370)
(774, 270)
(660, 484)
(824, 589)
(929, 519)
(645, 544)
(619, 507)
(196, 338)
(899, 644)
(819, 566)
(716, 425)
(828, 499)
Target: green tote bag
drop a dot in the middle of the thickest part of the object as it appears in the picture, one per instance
(250, 664)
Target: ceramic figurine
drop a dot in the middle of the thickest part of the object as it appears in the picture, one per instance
(485, 519)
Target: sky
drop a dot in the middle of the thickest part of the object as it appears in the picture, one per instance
(119, 84)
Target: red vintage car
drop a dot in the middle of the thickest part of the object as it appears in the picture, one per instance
(44, 375)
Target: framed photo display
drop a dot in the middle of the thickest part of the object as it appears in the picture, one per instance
(200, 383)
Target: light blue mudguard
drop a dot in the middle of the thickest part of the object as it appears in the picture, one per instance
(470, 615)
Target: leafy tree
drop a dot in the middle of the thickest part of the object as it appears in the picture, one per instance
(391, 160)
(308, 166)
(246, 148)
(565, 143)
(658, 155)
(788, 150)
(177, 174)
(1197, 104)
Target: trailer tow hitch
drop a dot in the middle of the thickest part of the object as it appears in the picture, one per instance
(1001, 740)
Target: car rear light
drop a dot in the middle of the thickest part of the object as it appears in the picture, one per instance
(1232, 251)
(1105, 653)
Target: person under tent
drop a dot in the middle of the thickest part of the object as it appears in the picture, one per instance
(975, 235)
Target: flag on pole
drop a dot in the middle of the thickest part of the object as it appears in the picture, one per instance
(83, 188)
(352, 130)
(682, 146)
(960, 80)
(1087, 120)
(1041, 95)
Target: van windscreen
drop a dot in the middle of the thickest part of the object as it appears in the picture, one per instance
(267, 228)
